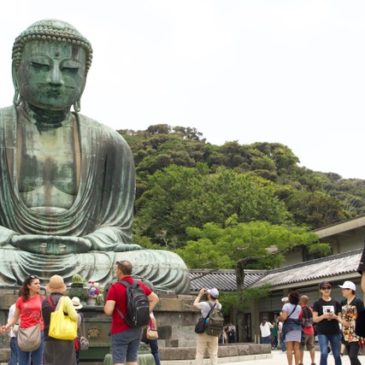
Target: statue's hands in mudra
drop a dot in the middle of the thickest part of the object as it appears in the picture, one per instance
(47, 244)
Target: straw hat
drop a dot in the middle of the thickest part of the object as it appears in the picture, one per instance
(76, 302)
(56, 284)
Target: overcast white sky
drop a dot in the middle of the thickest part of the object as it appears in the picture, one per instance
(289, 71)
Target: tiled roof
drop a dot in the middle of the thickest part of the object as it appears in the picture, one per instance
(338, 228)
(316, 270)
(224, 280)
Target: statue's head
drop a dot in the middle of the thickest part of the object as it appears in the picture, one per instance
(50, 64)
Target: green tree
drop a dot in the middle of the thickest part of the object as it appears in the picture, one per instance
(179, 197)
(315, 209)
(217, 246)
(269, 170)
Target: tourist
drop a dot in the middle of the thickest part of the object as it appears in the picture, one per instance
(223, 338)
(265, 331)
(57, 352)
(351, 306)
(231, 333)
(280, 327)
(308, 330)
(80, 318)
(280, 335)
(292, 329)
(153, 343)
(204, 341)
(125, 340)
(327, 315)
(274, 335)
(14, 349)
(28, 311)
(361, 270)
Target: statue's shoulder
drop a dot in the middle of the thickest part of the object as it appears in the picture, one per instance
(109, 136)
(7, 114)
(102, 131)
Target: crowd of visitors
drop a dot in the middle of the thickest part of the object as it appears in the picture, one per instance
(332, 322)
(32, 314)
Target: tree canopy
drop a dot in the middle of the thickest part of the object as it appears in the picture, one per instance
(203, 199)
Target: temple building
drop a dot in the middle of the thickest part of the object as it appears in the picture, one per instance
(300, 271)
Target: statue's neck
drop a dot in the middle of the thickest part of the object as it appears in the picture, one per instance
(46, 119)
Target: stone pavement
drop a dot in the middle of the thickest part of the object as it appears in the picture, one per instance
(279, 358)
(275, 358)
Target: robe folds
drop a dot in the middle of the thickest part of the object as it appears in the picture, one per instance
(101, 213)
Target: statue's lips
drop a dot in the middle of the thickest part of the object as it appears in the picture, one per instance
(53, 93)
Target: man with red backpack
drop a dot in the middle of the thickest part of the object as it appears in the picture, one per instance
(130, 303)
(308, 330)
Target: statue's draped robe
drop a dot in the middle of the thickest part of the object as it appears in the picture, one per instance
(101, 213)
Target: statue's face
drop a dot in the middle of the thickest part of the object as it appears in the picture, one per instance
(51, 75)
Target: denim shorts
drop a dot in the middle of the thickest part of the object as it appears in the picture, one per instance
(125, 345)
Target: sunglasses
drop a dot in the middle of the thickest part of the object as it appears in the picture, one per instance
(33, 277)
(326, 288)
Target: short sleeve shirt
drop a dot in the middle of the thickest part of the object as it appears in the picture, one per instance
(117, 293)
(349, 313)
(30, 311)
(327, 326)
(265, 329)
(292, 313)
(206, 306)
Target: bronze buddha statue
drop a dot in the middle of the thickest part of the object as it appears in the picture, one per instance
(67, 183)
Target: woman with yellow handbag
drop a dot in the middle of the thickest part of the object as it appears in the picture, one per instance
(59, 311)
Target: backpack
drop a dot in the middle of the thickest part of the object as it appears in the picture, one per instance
(307, 319)
(214, 322)
(138, 311)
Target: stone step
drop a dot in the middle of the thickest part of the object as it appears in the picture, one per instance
(222, 360)
(229, 350)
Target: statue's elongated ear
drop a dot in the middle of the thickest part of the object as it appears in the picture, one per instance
(17, 98)
(77, 103)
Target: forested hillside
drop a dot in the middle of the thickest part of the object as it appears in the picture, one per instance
(216, 204)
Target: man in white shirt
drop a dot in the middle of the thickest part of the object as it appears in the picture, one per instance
(265, 329)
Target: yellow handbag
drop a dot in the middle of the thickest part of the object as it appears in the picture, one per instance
(61, 326)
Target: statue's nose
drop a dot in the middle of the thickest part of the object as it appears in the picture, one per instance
(55, 76)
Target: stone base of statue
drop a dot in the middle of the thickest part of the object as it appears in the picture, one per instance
(175, 317)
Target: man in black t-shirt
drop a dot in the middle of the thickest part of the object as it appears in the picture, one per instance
(327, 315)
(351, 306)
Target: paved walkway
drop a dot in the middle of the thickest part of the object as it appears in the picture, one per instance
(279, 358)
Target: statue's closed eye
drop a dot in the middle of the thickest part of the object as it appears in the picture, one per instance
(70, 70)
(40, 66)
